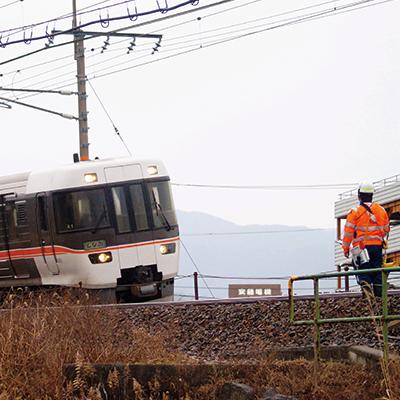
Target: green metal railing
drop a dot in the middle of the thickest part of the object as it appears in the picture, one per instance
(317, 321)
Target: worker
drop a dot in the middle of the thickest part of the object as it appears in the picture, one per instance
(366, 228)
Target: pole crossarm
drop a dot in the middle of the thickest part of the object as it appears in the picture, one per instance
(64, 115)
(79, 33)
(317, 321)
(63, 92)
(79, 49)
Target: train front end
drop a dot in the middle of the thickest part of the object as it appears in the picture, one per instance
(112, 228)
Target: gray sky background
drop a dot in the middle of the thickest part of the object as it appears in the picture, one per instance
(308, 103)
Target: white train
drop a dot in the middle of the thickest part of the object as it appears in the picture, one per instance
(105, 225)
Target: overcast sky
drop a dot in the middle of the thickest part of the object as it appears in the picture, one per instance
(309, 103)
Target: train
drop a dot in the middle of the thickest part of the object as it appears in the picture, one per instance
(107, 226)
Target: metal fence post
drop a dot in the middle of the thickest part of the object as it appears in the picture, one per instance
(196, 286)
(317, 321)
(346, 280)
(291, 300)
(317, 334)
(385, 316)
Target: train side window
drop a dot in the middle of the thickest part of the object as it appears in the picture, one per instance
(42, 213)
(12, 221)
(121, 209)
(139, 207)
(2, 223)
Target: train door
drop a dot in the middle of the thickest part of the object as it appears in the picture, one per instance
(126, 238)
(15, 241)
(45, 231)
(144, 236)
(8, 237)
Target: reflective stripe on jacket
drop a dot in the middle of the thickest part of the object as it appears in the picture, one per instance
(357, 222)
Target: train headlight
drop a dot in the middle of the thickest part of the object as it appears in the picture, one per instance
(89, 178)
(167, 248)
(152, 170)
(100, 258)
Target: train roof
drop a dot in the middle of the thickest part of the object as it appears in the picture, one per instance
(73, 175)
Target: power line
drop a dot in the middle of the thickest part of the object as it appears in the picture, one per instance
(256, 232)
(112, 123)
(46, 72)
(114, 31)
(142, 14)
(289, 22)
(10, 4)
(67, 15)
(41, 65)
(211, 43)
(224, 28)
(274, 187)
(191, 259)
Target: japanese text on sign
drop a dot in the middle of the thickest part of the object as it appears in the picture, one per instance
(254, 292)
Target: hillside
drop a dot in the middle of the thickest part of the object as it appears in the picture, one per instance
(217, 247)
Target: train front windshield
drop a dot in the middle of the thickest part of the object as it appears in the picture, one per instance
(87, 209)
(162, 207)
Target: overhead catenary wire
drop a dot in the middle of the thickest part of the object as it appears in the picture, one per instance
(190, 50)
(87, 24)
(63, 115)
(10, 4)
(69, 73)
(191, 259)
(271, 187)
(108, 115)
(138, 48)
(247, 278)
(60, 85)
(257, 232)
(240, 36)
(299, 289)
(114, 31)
(336, 9)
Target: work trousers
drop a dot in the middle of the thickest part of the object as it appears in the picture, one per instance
(372, 281)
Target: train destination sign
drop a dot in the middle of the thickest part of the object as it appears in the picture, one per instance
(95, 244)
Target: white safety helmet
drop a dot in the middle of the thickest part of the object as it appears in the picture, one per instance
(366, 187)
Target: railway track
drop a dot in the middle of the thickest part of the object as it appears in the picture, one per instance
(215, 330)
(245, 300)
(219, 329)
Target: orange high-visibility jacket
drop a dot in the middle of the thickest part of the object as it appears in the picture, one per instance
(357, 222)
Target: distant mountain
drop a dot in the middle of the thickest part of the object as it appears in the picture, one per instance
(216, 247)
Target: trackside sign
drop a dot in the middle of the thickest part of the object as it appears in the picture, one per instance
(250, 290)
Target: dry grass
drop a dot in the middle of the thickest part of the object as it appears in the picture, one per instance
(39, 334)
(390, 370)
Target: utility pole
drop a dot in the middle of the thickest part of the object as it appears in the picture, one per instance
(81, 78)
(79, 37)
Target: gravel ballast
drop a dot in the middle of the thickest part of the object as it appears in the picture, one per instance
(220, 331)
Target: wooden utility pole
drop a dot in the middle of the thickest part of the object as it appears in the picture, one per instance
(81, 78)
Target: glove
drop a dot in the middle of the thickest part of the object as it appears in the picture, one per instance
(346, 254)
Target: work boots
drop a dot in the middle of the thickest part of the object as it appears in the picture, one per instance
(378, 290)
(367, 291)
